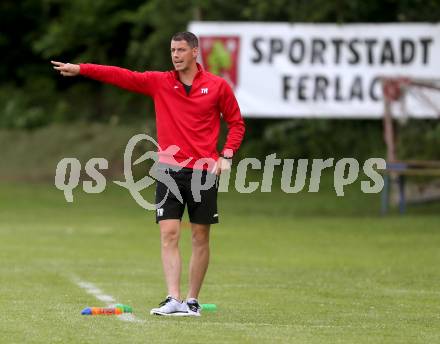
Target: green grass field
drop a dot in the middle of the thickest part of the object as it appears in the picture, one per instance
(304, 268)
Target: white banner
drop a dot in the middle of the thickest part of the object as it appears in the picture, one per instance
(314, 70)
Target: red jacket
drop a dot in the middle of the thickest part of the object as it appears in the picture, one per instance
(192, 122)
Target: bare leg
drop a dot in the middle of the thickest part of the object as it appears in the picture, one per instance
(199, 258)
(171, 260)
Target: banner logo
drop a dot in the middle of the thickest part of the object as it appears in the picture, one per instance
(220, 56)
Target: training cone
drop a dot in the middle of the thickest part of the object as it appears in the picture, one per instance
(124, 308)
(101, 311)
(209, 307)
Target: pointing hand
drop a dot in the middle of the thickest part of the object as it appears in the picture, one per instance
(66, 69)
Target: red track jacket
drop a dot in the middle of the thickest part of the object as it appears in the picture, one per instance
(191, 122)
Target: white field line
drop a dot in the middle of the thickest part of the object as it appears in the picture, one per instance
(91, 289)
(110, 301)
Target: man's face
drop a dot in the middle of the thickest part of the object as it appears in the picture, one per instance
(182, 55)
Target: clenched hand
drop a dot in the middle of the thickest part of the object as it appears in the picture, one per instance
(221, 165)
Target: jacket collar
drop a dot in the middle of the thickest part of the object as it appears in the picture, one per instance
(200, 71)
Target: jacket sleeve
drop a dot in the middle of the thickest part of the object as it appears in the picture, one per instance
(232, 116)
(145, 83)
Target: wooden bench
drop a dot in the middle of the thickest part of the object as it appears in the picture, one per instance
(400, 170)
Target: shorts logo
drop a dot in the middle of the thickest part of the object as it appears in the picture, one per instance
(215, 215)
(160, 212)
(204, 90)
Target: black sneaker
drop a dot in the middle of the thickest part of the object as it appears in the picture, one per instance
(193, 308)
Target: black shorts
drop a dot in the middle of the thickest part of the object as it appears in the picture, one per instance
(200, 211)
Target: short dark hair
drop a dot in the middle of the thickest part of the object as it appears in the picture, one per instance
(189, 37)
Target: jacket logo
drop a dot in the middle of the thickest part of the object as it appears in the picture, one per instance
(204, 90)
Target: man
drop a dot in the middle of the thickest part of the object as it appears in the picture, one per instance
(189, 103)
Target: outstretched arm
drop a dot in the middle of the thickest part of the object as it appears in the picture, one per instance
(145, 83)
